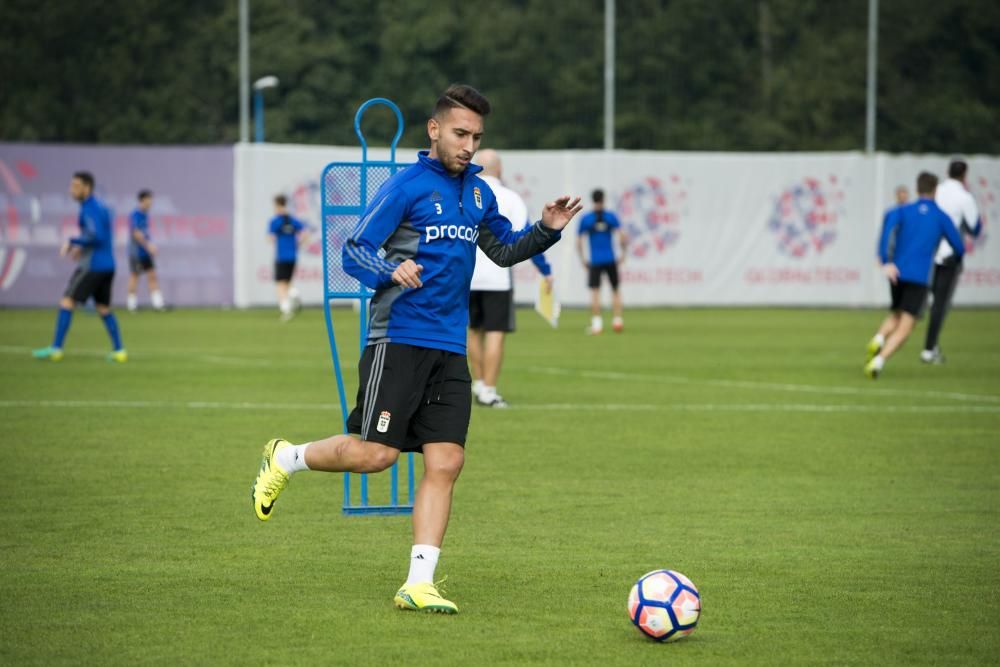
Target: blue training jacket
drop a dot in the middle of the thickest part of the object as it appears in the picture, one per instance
(138, 221)
(95, 237)
(917, 229)
(425, 214)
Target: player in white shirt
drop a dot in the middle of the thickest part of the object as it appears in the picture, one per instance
(491, 302)
(954, 198)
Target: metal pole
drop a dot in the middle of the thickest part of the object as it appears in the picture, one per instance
(258, 116)
(609, 74)
(872, 76)
(244, 71)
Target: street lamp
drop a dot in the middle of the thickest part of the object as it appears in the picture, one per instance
(259, 86)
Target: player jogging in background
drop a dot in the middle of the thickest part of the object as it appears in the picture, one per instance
(491, 302)
(94, 274)
(414, 377)
(140, 255)
(913, 233)
(955, 200)
(601, 227)
(287, 234)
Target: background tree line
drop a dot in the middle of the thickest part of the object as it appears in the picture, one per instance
(691, 74)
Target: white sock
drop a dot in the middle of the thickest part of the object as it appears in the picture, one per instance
(293, 293)
(133, 302)
(293, 459)
(596, 323)
(423, 561)
(477, 387)
(880, 339)
(285, 306)
(617, 321)
(878, 362)
(157, 299)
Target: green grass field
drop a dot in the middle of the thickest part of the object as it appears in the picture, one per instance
(826, 518)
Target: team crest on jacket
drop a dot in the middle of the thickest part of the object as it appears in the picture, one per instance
(478, 196)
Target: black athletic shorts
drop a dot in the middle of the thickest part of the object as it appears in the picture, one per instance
(410, 396)
(84, 285)
(283, 271)
(139, 265)
(491, 311)
(908, 297)
(594, 277)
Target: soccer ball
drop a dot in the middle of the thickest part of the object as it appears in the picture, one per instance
(664, 605)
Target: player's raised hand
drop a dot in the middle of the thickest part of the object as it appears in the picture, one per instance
(407, 274)
(557, 214)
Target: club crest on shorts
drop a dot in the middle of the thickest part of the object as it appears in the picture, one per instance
(478, 195)
(383, 421)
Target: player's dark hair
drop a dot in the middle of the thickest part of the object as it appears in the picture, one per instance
(85, 177)
(459, 95)
(145, 194)
(926, 183)
(280, 200)
(597, 196)
(957, 169)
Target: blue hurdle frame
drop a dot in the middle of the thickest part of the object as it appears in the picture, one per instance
(364, 295)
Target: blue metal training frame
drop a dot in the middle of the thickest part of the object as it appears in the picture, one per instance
(346, 189)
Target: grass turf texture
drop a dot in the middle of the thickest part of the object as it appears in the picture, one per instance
(826, 518)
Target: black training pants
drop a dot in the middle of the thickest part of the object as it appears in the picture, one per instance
(943, 289)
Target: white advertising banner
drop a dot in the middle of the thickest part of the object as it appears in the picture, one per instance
(797, 229)
(261, 172)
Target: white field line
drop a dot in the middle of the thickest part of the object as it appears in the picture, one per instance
(543, 407)
(201, 356)
(750, 384)
(582, 373)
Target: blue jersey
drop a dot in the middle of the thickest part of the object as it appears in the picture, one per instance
(138, 222)
(916, 229)
(599, 226)
(286, 229)
(425, 214)
(95, 239)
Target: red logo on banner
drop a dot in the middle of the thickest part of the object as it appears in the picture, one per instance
(805, 216)
(651, 212)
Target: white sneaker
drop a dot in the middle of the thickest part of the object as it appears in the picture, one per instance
(494, 401)
(932, 356)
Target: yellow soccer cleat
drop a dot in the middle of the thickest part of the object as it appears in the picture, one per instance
(271, 480)
(50, 353)
(118, 356)
(874, 347)
(873, 369)
(423, 597)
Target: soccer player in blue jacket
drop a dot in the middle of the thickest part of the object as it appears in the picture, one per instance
(910, 237)
(140, 255)
(602, 227)
(95, 273)
(287, 234)
(414, 393)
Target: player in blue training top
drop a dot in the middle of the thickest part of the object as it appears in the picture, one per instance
(287, 234)
(602, 226)
(95, 273)
(140, 255)
(910, 237)
(414, 393)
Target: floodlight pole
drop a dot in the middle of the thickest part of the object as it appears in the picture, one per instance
(259, 86)
(609, 75)
(244, 72)
(872, 76)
